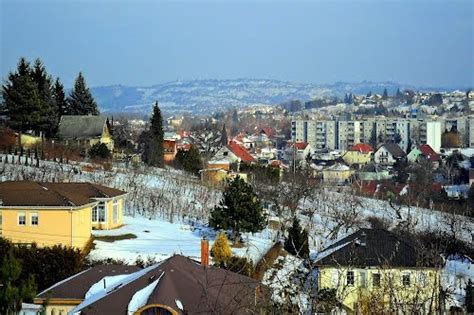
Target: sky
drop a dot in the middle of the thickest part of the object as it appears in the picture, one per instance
(427, 43)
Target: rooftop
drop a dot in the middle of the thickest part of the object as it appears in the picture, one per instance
(29, 193)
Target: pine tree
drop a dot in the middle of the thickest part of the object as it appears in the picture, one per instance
(385, 94)
(224, 139)
(238, 210)
(297, 240)
(220, 249)
(154, 152)
(81, 100)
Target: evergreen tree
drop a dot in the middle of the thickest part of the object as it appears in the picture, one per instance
(398, 94)
(49, 113)
(21, 100)
(220, 249)
(81, 100)
(238, 210)
(385, 94)
(235, 116)
(154, 152)
(297, 240)
(351, 98)
(14, 289)
(224, 139)
(190, 160)
(346, 99)
(60, 98)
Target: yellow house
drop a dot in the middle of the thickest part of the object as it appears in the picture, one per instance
(85, 130)
(337, 174)
(375, 271)
(360, 154)
(57, 213)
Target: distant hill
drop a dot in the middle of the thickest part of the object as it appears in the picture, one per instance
(206, 96)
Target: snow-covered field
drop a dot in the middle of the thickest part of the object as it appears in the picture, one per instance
(158, 239)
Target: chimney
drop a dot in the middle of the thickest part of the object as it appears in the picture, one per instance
(204, 252)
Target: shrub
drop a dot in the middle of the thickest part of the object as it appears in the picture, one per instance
(240, 265)
(220, 249)
(99, 150)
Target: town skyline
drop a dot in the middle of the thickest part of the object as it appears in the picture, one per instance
(420, 43)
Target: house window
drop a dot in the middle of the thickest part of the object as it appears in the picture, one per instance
(115, 212)
(406, 280)
(376, 280)
(226, 153)
(34, 219)
(94, 214)
(363, 279)
(422, 279)
(21, 218)
(350, 278)
(101, 211)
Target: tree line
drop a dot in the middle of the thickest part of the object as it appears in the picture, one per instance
(32, 101)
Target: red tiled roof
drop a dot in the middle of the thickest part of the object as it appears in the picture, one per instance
(362, 147)
(240, 152)
(298, 145)
(429, 153)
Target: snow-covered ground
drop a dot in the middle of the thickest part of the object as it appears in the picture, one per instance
(158, 239)
(454, 279)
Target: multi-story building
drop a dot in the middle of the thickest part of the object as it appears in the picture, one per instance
(320, 134)
(342, 134)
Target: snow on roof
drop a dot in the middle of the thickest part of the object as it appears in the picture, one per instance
(339, 167)
(140, 298)
(101, 294)
(105, 284)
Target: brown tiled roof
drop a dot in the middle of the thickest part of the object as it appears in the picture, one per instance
(372, 248)
(77, 286)
(204, 290)
(28, 193)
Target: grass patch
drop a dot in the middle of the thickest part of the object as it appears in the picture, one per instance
(113, 238)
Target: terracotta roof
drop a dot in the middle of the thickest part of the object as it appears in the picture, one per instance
(199, 289)
(29, 193)
(76, 287)
(240, 152)
(362, 147)
(429, 153)
(372, 248)
(298, 145)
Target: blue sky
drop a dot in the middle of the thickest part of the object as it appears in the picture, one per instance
(426, 43)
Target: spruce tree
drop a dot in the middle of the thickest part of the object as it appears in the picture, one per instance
(224, 139)
(21, 100)
(154, 152)
(81, 100)
(49, 118)
(239, 210)
(385, 94)
(60, 98)
(297, 240)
